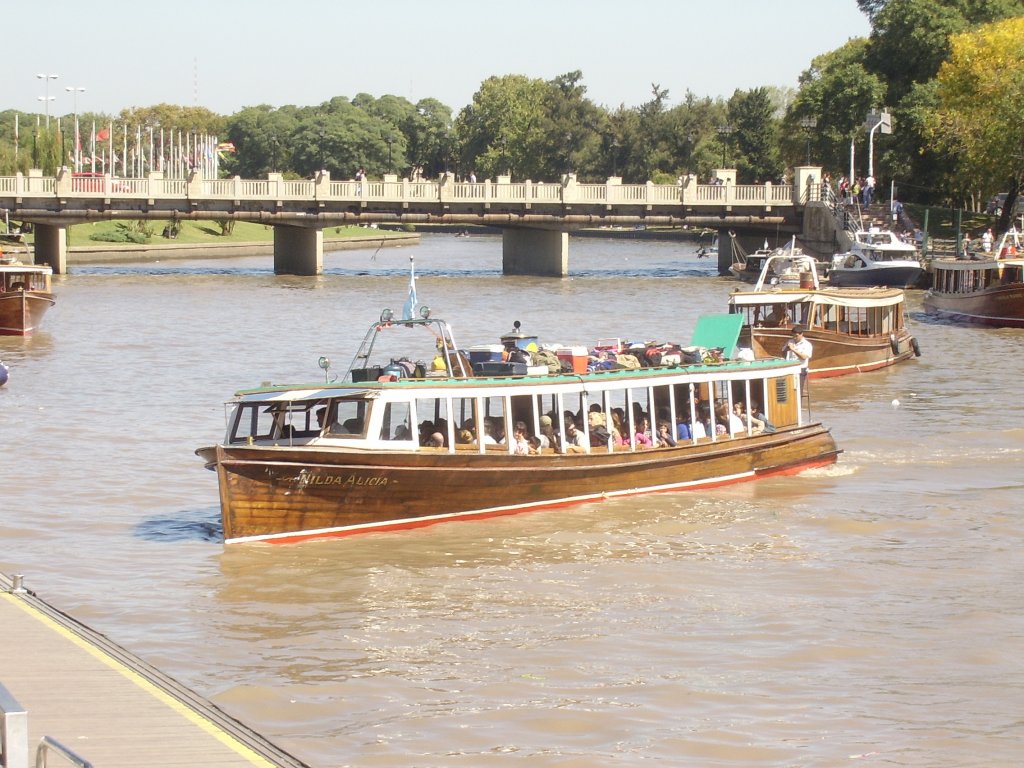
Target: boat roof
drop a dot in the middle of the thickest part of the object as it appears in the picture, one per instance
(841, 297)
(24, 268)
(371, 389)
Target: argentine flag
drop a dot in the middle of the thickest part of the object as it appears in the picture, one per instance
(409, 310)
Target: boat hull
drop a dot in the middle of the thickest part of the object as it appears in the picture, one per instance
(998, 307)
(21, 312)
(892, 277)
(287, 494)
(836, 354)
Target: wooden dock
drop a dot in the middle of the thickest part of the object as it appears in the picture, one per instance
(107, 706)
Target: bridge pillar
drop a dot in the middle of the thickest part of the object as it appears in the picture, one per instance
(298, 250)
(52, 247)
(539, 252)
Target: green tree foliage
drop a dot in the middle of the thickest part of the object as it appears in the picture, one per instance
(756, 139)
(909, 40)
(502, 128)
(837, 91)
(980, 115)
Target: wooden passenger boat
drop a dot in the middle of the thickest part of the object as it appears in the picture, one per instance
(877, 257)
(25, 296)
(348, 456)
(852, 330)
(983, 289)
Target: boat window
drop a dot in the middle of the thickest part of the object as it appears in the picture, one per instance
(396, 423)
(276, 421)
(347, 418)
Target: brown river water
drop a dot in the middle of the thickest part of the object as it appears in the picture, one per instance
(870, 613)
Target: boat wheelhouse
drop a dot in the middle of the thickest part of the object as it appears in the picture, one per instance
(412, 441)
(25, 296)
(983, 289)
(852, 330)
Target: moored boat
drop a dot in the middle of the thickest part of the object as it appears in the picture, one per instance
(877, 257)
(851, 330)
(986, 288)
(413, 440)
(25, 296)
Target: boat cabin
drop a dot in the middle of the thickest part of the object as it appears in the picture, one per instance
(450, 404)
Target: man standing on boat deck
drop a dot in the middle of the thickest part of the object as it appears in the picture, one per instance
(799, 348)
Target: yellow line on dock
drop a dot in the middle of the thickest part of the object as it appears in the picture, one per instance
(86, 708)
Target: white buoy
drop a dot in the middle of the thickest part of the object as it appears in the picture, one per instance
(895, 403)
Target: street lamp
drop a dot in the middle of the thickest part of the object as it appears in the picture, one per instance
(390, 140)
(323, 136)
(273, 149)
(74, 90)
(615, 157)
(725, 131)
(47, 98)
(808, 123)
(876, 121)
(150, 127)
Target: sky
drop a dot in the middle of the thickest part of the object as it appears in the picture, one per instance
(231, 54)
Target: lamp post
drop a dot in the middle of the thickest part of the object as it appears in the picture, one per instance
(876, 121)
(47, 98)
(273, 150)
(808, 123)
(615, 157)
(323, 136)
(390, 140)
(74, 90)
(725, 131)
(150, 127)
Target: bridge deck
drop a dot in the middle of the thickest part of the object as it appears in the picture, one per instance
(108, 706)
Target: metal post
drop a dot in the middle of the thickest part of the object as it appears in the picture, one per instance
(47, 98)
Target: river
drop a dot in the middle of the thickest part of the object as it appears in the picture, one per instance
(866, 613)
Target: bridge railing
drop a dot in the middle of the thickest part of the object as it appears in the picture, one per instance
(392, 190)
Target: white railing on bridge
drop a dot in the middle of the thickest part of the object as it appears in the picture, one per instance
(687, 192)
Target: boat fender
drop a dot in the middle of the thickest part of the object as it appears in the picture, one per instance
(915, 346)
(894, 343)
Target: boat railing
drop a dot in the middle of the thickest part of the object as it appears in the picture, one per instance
(456, 363)
(49, 744)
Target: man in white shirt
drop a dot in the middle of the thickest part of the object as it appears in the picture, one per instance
(799, 348)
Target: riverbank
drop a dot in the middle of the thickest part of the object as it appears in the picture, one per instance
(121, 252)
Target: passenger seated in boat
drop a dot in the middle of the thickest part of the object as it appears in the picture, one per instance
(777, 318)
(520, 445)
(426, 430)
(547, 436)
(402, 432)
(759, 419)
(683, 431)
(643, 436)
(464, 437)
(618, 430)
(664, 438)
(574, 442)
(599, 434)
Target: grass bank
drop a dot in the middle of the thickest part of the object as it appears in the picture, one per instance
(203, 233)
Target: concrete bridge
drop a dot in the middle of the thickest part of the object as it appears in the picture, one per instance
(536, 216)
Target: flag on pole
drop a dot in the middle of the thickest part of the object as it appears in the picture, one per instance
(409, 310)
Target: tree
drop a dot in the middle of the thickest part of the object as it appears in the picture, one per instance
(909, 40)
(502, 129)
(980, 117)
(752, 116)
(838, 91)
